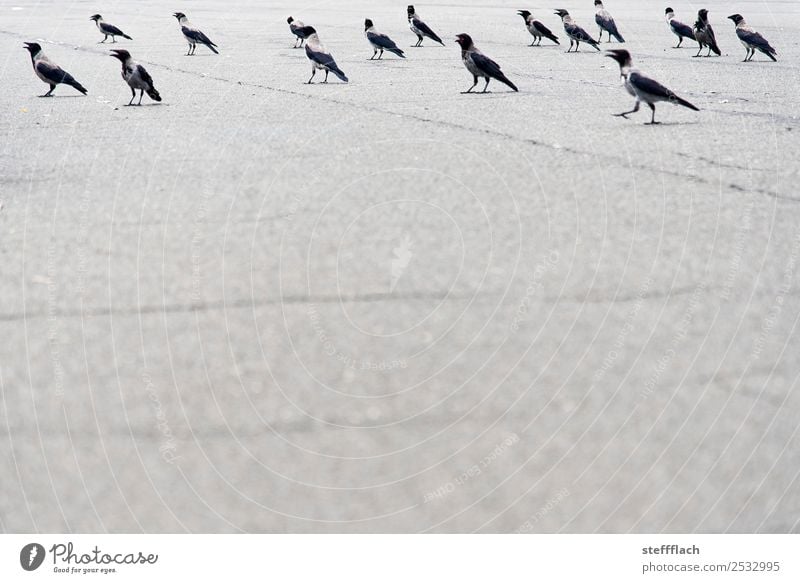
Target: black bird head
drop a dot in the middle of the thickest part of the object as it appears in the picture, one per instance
(368, 24)
(562, 13)
(524, 13)
(702, 14)
(96, 17)
(290, 20)
(33, 48)
(307, 31)
(120, 54)
(179, 15)
(411, 11)
(621, 56)
(737, 18)
(668, 10)
(465, 41)
(598, 3)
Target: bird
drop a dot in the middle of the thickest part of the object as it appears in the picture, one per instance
(642, 87)
(575, 33)
(109, 30)
(704, 34)
(193, 35)
(296, 26)
(419, 28)
(135, 76)
(479, 64)
(380, 42)
(49, 72)
(751, 40)
(680, 29)
(537, 29)
(606, 23)
(320, 57)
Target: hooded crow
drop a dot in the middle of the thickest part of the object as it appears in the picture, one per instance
(296, 27)
(751, 40)
(109, 30)
(606, 23)
(479, 64)
(642, 87)
(537, 29)
(320, 57)
(575, 33)
(678, 28)
(380, 42)
(419, 28)
(136, 77)
(193, 35)
(704, 34)
(49, 72)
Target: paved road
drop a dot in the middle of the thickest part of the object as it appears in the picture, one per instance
(385, 306)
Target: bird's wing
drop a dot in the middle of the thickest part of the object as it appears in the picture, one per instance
(650, 86)
(578, 32)
(541, 28)
(682, 28)
(381, 40)
(755, 39)
(424, 28)
(486, 65)
(53, 73)
(321, 57)
(111, 29)
(144, 75)
(710, 34)
(606, 21)
(197, 36)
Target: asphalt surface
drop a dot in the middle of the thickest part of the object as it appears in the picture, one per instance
(385, 306)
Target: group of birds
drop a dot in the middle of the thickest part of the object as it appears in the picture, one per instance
(643, 88)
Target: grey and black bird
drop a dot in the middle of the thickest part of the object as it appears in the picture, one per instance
(296, 27)
(537, 29)
(678, 28)
(575, 33)
(193, 35)
(49, 72)
(136, 76)
(380, 42)
(479, 64)
(751, 40)
(704, 34)
(419, 28)
(320, 57)
(606, 23)
(642, 87)
(109, 30)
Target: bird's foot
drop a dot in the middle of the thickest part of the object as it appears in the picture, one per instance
(653, 123)
(622, 115)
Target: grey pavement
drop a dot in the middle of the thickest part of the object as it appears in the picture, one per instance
(263, 306)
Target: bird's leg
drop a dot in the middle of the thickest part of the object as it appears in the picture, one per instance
(570, 45)
(374, 52)
(627, 113)
(485, 87)
(105, 38)
(133, 96)
(313, 72)
(113, 39)
(471, 88)
(653, 121)
(699, 50)
(381, 55)
(141, 96)
(680, 40)
(326, 76)
(49, 93)
(577, 45)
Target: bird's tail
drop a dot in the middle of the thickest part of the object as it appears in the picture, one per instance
(339, 73)
(552, 37)
(435, 37)
(126, 36)
(680, 101)
(213, 47)
(618, 36)
(716, 50)
(503, 79)
(771, 53)
(70, 80)
(397, 52)
(153, 94)
(594, 43)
